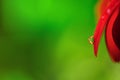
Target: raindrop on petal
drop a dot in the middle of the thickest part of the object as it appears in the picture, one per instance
(108, 11)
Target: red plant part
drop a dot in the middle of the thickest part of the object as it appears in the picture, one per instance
(110, 21)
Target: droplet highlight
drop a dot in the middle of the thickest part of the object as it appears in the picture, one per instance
(108, 11)
(91, 40)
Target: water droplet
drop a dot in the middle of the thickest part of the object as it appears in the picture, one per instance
(91, 40)
(103, 17)
(108, 11)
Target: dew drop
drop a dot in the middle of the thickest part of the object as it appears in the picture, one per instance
(108, 11)
(91, 40)
(103, 17)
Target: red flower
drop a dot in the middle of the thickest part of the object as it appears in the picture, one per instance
(110, 21)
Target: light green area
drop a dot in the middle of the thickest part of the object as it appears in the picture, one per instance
(48, 40)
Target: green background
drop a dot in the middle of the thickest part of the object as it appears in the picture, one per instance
(48, 40)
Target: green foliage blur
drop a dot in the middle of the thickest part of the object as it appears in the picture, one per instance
(48, 40)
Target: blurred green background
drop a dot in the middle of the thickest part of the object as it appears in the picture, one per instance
(48, 40)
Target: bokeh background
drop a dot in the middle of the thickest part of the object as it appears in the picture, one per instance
(48, 40)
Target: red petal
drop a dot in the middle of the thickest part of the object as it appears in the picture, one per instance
(103, 5)
(103, 20)
(113, 39)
